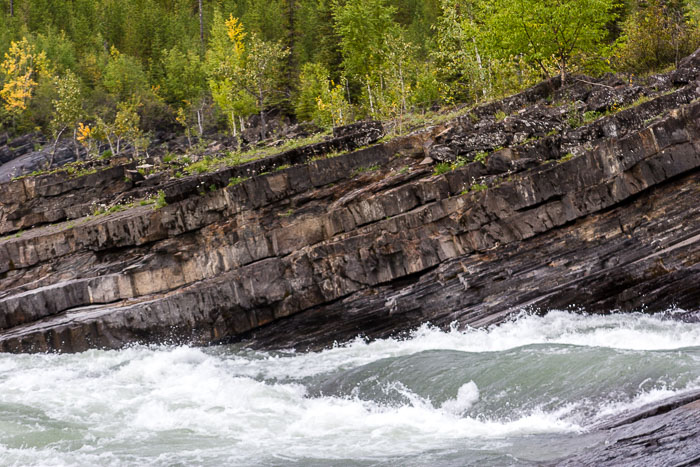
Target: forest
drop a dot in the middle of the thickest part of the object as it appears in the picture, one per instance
(120, 70)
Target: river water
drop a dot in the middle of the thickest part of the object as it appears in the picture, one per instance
(515, 394)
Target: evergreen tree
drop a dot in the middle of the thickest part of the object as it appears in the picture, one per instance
(361, 26)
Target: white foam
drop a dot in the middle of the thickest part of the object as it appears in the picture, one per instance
(467, 395)
(154, 394)
(195, 406)
(646, 397)
(619, 331)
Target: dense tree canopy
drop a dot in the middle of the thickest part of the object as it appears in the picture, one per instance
(211, 64)
(548, 33)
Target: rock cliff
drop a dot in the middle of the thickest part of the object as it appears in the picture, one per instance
(581, 195)
(585, 195)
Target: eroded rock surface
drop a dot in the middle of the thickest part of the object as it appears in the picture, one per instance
(665, 433)
(584, 195)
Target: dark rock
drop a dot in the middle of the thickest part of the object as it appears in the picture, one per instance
(665, 433)
(364, 127)
(442, 153)
(499, 162)
(688, 70)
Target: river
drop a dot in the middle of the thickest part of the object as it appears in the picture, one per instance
(514, 394)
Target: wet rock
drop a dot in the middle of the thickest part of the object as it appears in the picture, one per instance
(664, 433)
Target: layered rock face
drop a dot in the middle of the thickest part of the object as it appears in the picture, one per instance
(585, 195)
(664, 433)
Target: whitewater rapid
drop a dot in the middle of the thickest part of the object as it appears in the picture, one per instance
(513, 393)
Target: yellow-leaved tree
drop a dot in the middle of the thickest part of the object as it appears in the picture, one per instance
(18, 75)
(225, 63)
(244, 71)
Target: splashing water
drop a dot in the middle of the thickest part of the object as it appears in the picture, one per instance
(514, 393)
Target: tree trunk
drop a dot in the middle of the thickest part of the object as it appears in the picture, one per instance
(201, 24)
(55, 142)
(562, 69)
(12, 8)
(111, 145)
(481, 68)
(235, 130)
(76, 148)
(369, 94)
(403, 91)
(263, 124)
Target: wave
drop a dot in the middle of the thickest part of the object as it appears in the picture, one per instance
(635, 331)
(434, 391)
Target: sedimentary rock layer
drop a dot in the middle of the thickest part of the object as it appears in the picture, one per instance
(585, 195)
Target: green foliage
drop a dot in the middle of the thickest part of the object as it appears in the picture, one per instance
(263, 66)
(442, 168)
(457, 53)
(125, 128)
(361, 170)
(160, 201)
(233, 181)
(184, 80)
(124, 77)
(327, 61)
(591, 116)
(244, 70)
(361, 25)
(550, 35)
(396, 74)
(200, 167)
(224, 66)
(481, 157)
(427, 88)
(313, 83)
(333, 109)
(68, 106)
(567, 157)
(655, 35)
(59, 50)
